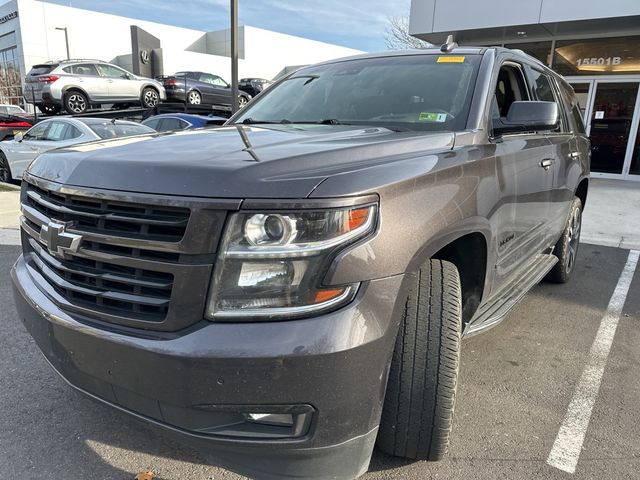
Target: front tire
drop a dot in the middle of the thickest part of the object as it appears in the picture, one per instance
(76, 102)
(5, 170)
(150, 97)
(418, 411)
(566, 248)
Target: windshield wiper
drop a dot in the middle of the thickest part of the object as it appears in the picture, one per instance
(251, 121)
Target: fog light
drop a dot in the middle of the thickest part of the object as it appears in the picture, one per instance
(279, 419)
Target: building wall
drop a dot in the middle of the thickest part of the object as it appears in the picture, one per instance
(429, 16)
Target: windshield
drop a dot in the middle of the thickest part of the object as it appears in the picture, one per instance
(115, 130)
(415, 92)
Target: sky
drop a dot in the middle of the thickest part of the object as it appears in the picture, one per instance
(357, 24)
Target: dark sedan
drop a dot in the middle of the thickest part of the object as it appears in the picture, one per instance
(253, 86)
(198, 88)
(169, 122)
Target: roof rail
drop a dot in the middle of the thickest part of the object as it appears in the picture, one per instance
(448, 45)
(81, 60)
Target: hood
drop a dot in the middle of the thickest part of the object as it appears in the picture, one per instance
(284, 161)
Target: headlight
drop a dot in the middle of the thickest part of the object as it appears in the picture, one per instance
(271, 264)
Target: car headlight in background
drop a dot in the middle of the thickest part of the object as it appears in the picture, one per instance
(271, 264)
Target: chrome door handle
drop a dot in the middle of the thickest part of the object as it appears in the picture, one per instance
(574, 154)
(546, 163)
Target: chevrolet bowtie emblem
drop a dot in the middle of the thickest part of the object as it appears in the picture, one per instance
(58, 240)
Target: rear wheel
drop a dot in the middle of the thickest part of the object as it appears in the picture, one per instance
(150, 97)
(418, 410)
(76, 102)
(194, 98)
(5, 170)
(566, 248)
(242, 101)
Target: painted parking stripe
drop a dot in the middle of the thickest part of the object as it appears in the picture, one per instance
(566, 449)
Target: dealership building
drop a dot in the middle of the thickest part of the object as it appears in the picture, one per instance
(594, 45)
(33, 32)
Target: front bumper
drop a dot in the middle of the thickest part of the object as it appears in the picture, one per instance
(334, 366)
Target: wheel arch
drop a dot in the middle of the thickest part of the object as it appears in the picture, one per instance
(467, 246)
(72, 88)
(582, 191)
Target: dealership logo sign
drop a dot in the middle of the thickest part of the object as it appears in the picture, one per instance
(8, 17)
(144, 56)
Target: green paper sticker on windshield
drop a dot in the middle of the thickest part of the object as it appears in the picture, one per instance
(432, 117)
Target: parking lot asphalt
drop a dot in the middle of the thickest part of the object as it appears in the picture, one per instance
(516, 383)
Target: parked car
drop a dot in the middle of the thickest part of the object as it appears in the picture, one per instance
(13, 120)
(201, 88)
(167, 122)
(253, 86)
(12, 110)
(292, 287)
(17, 154)
(76, 85)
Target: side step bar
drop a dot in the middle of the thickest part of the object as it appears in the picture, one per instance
(494, 311)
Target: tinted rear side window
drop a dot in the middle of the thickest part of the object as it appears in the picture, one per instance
(573, 106)
(115, 130)
(543, 89)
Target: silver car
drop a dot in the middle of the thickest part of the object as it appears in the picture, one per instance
(75, 85)
(17, 154)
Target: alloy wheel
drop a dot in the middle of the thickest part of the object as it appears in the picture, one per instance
(242, 101)
(574, 237)
(150, 98)
(194, 98)
(76, 103)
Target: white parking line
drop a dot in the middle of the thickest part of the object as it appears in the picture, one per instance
(566, 449)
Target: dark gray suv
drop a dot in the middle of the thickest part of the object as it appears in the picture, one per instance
(292, 288)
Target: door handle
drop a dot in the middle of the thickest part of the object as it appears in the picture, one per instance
(109, 81)
(574, 154)
(546, 163)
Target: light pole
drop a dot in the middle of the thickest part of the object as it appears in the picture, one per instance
(234, 56)
(66, 39)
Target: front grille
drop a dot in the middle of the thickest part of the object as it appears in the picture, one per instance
(142, 261)
(109, 217)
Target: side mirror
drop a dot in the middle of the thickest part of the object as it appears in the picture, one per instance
(529, 116)
(18, 136)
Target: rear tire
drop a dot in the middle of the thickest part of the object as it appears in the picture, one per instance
(194, 98)
(566, 248)
(418, 411)
(76, 102)
(5, 170)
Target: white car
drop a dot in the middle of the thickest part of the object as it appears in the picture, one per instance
(12, 110)
(17, 154)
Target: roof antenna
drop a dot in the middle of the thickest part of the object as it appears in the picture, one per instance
(448, 45)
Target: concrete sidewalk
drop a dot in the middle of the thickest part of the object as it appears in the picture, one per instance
(9, 215)
(612, 214)
(611, 217)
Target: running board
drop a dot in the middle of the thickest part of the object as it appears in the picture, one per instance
(494, 311)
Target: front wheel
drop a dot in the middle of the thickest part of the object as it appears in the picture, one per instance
(418, 408)
(242, 101)
(150, 97)
(5, 170)
(566, 248)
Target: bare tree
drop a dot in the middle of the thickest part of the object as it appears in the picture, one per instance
(397, 35)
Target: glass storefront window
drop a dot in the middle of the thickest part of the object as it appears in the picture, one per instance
(599, 56)
(10, 80)
(539, 50)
